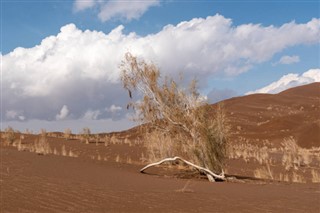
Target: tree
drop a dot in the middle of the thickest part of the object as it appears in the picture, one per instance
(183, 123)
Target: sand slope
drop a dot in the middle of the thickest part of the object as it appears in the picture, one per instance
(271, 118)
(99, 177)
(33, 183)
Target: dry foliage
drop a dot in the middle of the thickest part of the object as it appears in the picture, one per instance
(295, 156)
(315, 176)
(182, 122)
(67, 133)
(9, 136)
(85, 135)
(41, 145)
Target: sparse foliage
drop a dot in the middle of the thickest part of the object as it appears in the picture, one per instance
(85, 135)
(67, 133)
(9, 135)
(182, 122)
(41, 145)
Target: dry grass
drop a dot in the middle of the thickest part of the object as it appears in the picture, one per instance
(85, 135)
(42, 146)
(295, 160)
(264, 173)
(249, 152)
(315, 176)
(296, 178)
(67, 133)
(294, 156)
(117, 159)
(9, 136)
(73, 154)
(64, 151)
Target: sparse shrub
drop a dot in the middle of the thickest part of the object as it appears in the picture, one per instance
(182, 122)
(315, 176)
(67, 133)
(296, 178)
(55, 152)
(106, 140)
(72, 154)
(294, 156)
(43, 132)
(42, 146)
(129, 160)
(264, 172)
(85, 135)
(291, 158)
(9, 135)
(63, 150)
(284, 177)
(97, 139)
(117, 158)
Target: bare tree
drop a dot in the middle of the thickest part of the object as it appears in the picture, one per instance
(183, 124)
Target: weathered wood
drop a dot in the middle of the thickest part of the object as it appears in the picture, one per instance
(211, 176)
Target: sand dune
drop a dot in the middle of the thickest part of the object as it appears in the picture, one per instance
(103, 175)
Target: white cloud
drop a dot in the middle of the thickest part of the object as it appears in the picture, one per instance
(91, 115)
(79, 69)
(289, 59)
(80, 5)
(113, 108)
(290, 80)
(117, 9)
(13, 115)
(63, 113)
(127, 10)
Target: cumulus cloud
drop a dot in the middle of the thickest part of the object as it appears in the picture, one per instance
(289, 81)
(117, 9)
(79, 68)
(113, 108)
(80, 5)
(63, 113)
(289, 59)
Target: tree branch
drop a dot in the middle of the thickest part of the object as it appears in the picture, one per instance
(211, 176)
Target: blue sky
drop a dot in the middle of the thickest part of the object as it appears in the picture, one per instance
(274, 25)
(25, 23)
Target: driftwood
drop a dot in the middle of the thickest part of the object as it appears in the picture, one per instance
(210, 175)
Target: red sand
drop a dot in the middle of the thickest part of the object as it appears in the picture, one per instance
(54, 183)
(264, 117)
(33, 183)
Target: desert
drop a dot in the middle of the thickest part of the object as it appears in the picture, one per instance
(273, 165)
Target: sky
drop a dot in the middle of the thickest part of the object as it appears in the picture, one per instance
(60, 59)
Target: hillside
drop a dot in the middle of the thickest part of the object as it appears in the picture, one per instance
(270, 118)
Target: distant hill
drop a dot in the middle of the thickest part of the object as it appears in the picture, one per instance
(262, 118)
(269, 118)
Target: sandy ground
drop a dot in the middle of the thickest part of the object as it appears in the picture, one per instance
(98, 177)
(35, 183)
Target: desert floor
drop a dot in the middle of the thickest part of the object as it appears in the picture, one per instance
(274, 159)
(52, 183)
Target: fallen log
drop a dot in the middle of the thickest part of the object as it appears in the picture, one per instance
(210, 175)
